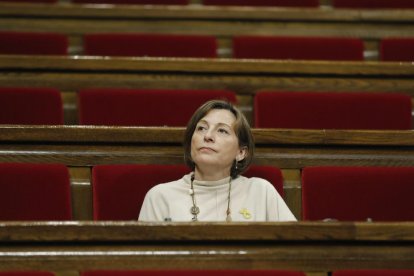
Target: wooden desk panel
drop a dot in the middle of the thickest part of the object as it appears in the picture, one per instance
(307, 246)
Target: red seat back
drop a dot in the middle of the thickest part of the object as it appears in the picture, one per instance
(397, 49)
(270, 173)
(328, 110)
(373, 272)
(119, 190)
(298, 48)
(129, 107)
(357, 193)
(279, 3)
(30, 106)
(34, 192)
(373, 4)
(150, 45)
(33, 43)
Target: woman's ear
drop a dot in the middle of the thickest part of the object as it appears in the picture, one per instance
(241, 154)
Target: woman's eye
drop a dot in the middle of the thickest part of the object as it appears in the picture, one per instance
(222, 130)
(201, 128)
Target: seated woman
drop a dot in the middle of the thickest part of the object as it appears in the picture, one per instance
(218, 146)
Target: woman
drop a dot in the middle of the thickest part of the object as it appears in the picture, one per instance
(218, 147)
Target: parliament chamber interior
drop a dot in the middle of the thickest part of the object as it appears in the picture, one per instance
(95, 96)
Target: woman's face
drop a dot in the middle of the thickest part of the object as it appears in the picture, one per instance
(214, 144)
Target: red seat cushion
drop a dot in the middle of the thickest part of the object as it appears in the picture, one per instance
(150, 45)
(34, 192)
(328, 110)
(33, 43)
(194, 273)
(277, 3)
(270, 173)
(373, 272)
(30, 106)
(128, 107)
(119, 190)
(298, 48)
(397, 49)
(358, 193)
(373, 4)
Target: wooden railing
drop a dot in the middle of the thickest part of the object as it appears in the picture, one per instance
(306, 246)
(75, 20)
(81, 147)
(245, 77)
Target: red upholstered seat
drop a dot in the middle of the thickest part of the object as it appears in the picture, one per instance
(151, 107)
(119, 190)
(34, 192)
(373, 4)
(328, 110)
(358, 193)
(30, 106)
(194, 273)
(33, 43)
(298, 48)
(150, 45)
(397, 49)
(373, 272)
(270, 173)
(275, 3)
(135, 2)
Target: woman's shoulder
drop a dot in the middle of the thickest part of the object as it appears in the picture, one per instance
(168, 187)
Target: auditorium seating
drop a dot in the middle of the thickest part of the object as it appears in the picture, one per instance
(119, 190)
(33, 43)
(134, 2)
(277, 3)
(30, 106)
(397, 49)
(192, 273)
(151, 107)
(298, 48)
(375, 272)
(327, 110)
(357, 193)
(270, 173)
(34, 192)
(150, 45)
(373, 4)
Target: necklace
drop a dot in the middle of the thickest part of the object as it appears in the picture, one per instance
(195, 210)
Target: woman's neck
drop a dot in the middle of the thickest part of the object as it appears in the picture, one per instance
(210, 175)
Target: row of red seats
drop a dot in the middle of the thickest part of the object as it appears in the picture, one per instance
(42, 191)
(250, 47)
(152, 107)
(355, 4)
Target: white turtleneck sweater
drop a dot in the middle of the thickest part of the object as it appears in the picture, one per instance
(251, 199)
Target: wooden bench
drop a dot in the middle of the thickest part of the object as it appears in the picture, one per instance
(75, 20)
(245, 77)
(302, 246)
(81, 147)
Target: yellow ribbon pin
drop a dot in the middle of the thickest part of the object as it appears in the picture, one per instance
(246, 214)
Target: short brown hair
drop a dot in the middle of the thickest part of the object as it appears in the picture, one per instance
(241, 128)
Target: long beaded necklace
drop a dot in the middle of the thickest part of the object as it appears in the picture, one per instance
(195, 210)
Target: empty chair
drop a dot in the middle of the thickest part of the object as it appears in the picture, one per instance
(30, 106)
(298, 48)
(135, 2)
(270, 173)
(34, 192)
(275, 3)
(193, 273)
(151, 107)
(373, 272)
(328, 110)
(357, 193)
(150, 45)
(397, 49)
(33, 43)
(119, 190)
(373, 4)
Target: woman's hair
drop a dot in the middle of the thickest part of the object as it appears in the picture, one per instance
(241, 128)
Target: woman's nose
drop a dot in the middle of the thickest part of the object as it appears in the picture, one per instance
(208, 136)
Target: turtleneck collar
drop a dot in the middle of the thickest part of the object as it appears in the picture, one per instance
(216, 183)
